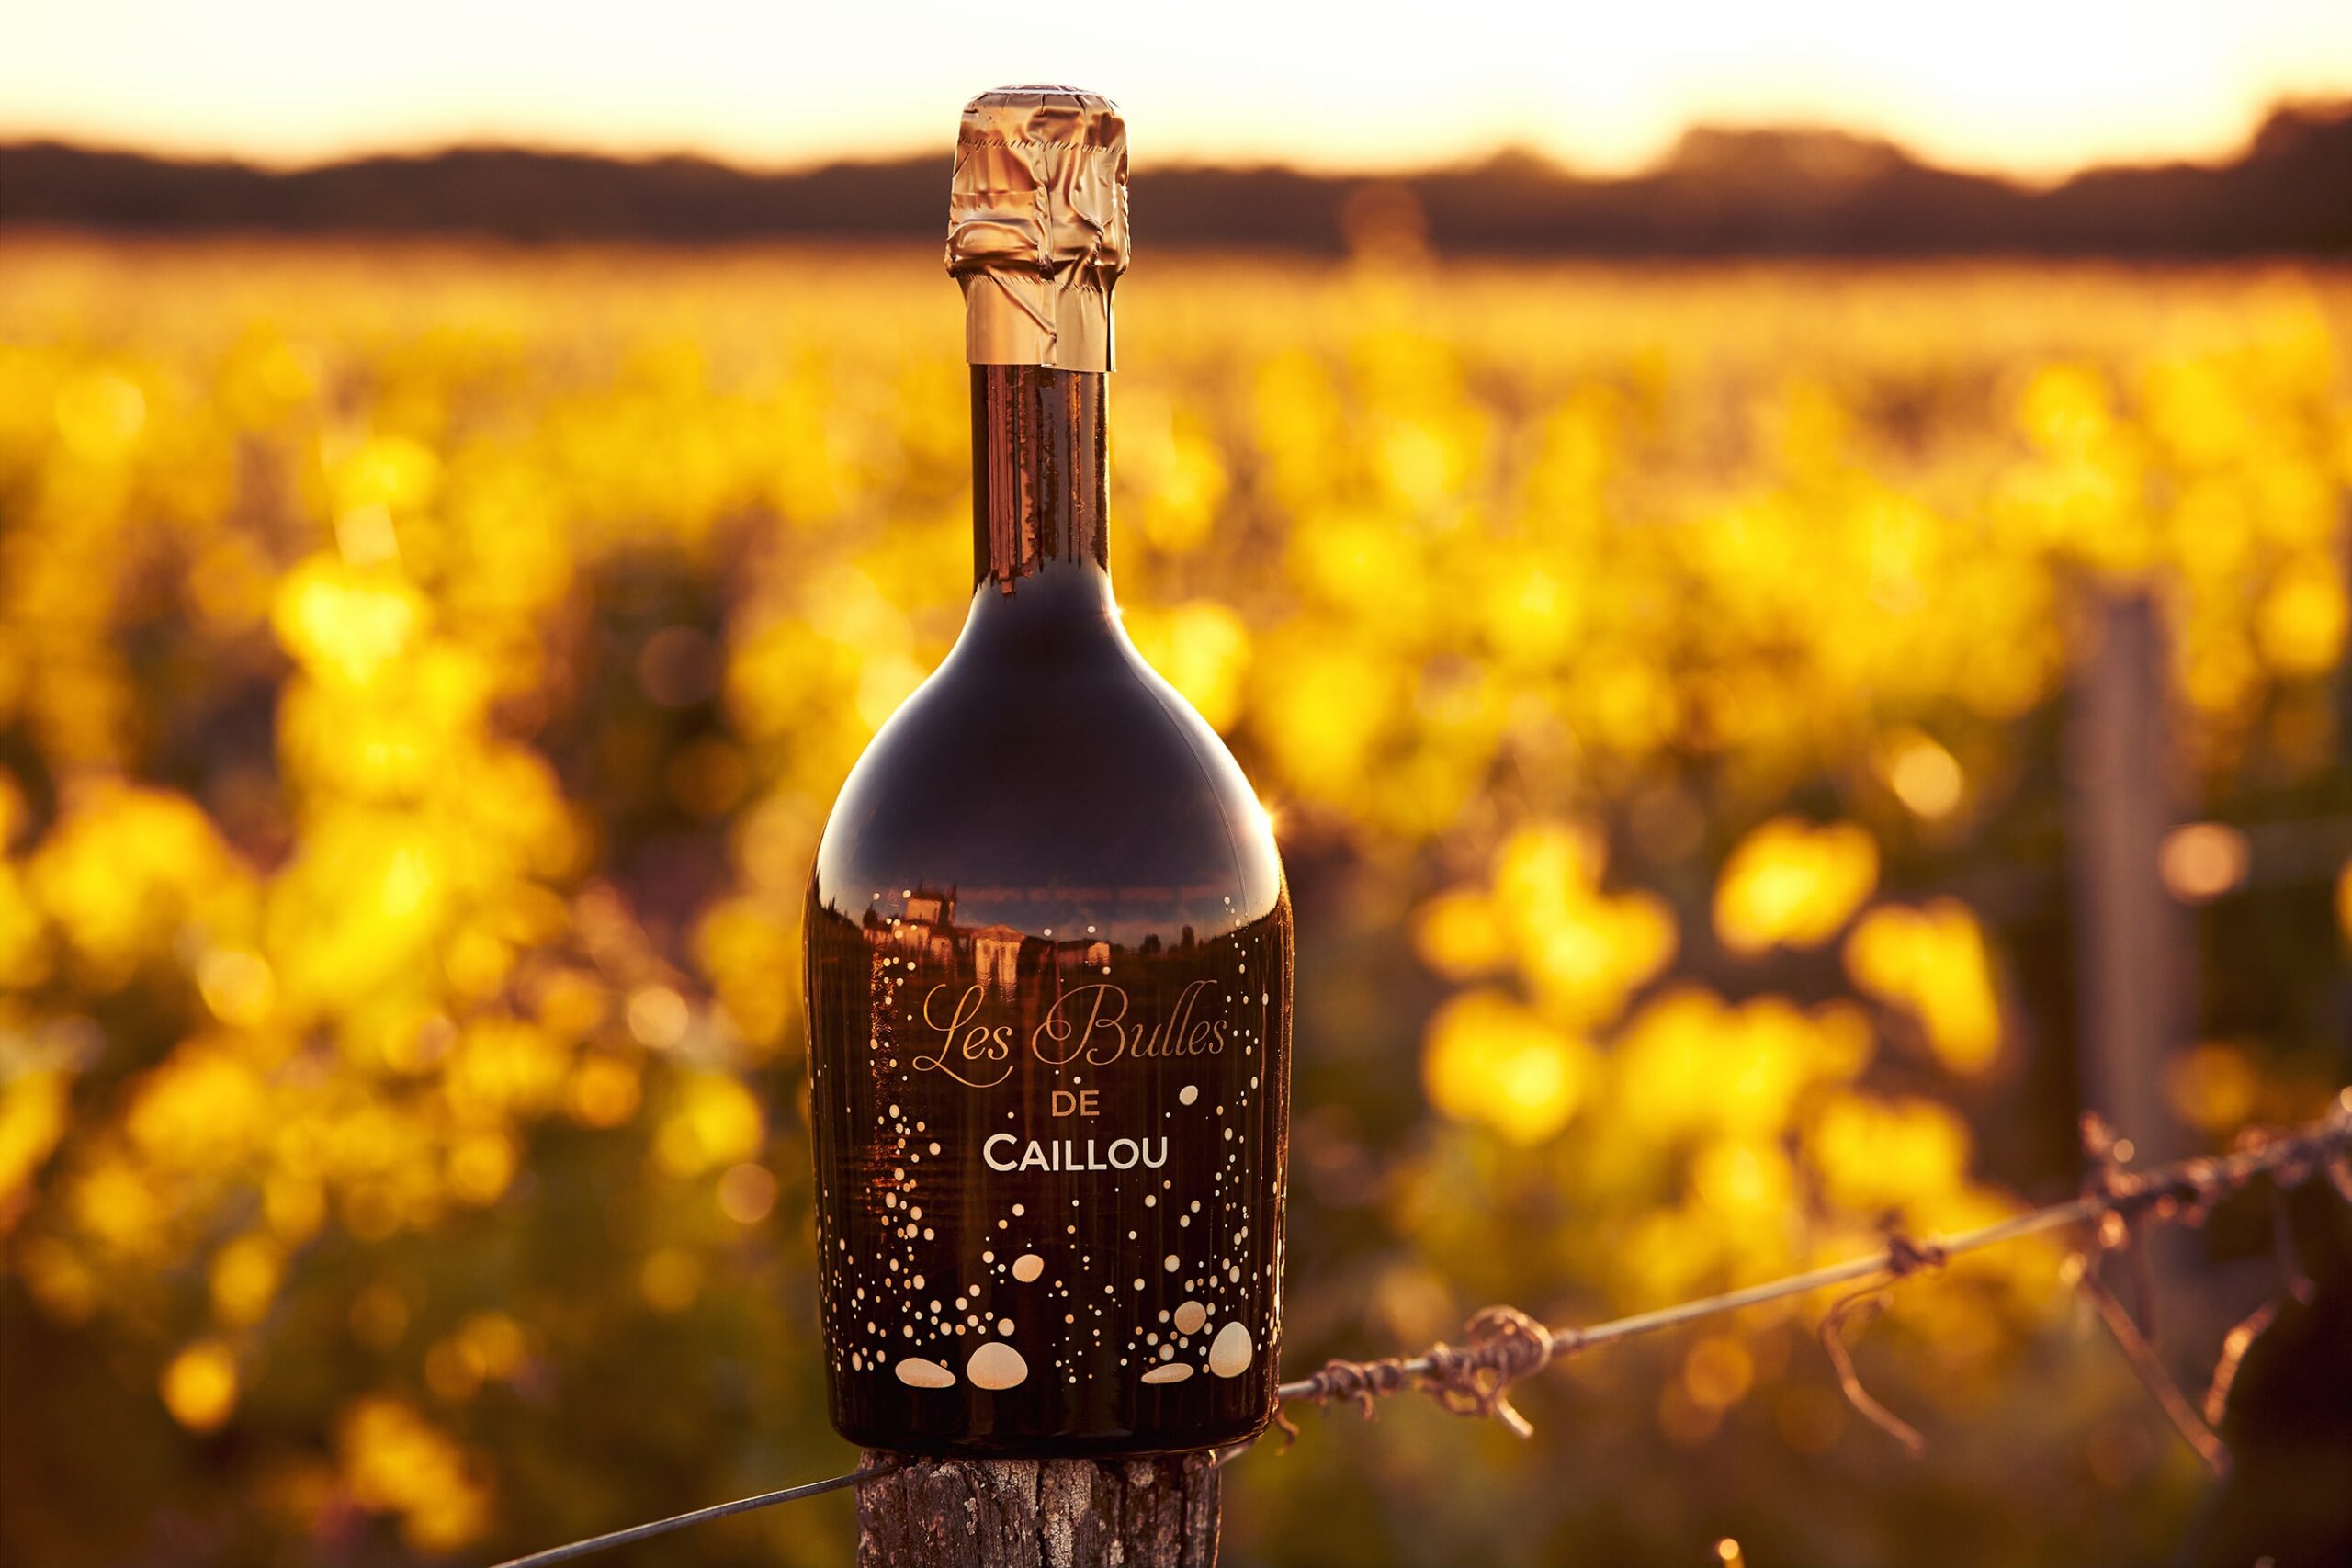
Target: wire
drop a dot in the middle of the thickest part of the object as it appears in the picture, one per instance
(1466, 1379)
(1477, 1378)
(554, 1554)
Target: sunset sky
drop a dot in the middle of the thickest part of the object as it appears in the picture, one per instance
(2032, 86)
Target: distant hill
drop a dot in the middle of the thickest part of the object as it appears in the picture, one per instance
(1796, 192)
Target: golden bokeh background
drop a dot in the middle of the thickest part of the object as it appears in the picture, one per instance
(424, 672)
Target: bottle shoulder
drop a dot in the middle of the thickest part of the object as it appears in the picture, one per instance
(1079, 772)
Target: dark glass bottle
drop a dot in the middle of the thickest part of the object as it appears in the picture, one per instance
(1048, 989)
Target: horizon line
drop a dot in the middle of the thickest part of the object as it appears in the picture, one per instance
(2320, 105)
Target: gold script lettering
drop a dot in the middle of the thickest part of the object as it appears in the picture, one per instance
(1103, 1006)
(976, 1044)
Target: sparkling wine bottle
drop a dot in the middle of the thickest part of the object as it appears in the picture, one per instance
(1047, 937)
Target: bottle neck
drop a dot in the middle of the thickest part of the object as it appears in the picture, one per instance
(1040, 538)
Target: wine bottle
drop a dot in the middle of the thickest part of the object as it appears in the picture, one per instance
(1047, 937)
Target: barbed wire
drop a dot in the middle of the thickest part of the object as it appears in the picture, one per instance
(1505, 1345)
(1474, 1380)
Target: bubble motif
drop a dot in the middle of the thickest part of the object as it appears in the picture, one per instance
(1231, 1351)
(960, 1280)
(916, 1372)
(996, 1365)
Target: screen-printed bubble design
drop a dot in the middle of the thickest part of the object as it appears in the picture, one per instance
(1065, 1184)
(1230, 1352)
(996, 1365)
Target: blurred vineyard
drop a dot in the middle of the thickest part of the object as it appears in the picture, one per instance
(423, 673)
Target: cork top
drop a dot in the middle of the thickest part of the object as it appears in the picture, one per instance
(1037, 225)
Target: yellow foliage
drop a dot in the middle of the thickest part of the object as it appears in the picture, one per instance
(487, 1347)
(205, 1105)
(1202, 649)
(736, 944)
(1457, 935)
(1743, 1179)
(395, 1462)
(125, 868)
(348, 625)
(100, 414)
(236, 985)
(504, 1066)
(1687, 1064)
(1789, 884)
(481, 1166)
(1932, 961)
(1880, 1156)
(1924, 777)
(24, 934)
(715, 1121)
(32, 1119)
(603, 1091)
(2302, 624)
(1580, 952)
(1484, 570)
(200, 1386)
(245, 1276)
(1490, 1060)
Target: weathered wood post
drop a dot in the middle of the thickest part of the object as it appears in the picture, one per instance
(2134, 957)
(2136, 987)
(1158, 1512)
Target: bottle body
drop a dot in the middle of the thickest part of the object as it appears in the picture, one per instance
(1048, 990)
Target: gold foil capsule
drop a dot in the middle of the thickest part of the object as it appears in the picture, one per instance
(1037, 226)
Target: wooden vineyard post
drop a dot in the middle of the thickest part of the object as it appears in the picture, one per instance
(2134, 953)
(1061, 1513)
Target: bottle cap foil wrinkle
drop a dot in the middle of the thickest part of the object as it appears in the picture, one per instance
(1037, 226)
